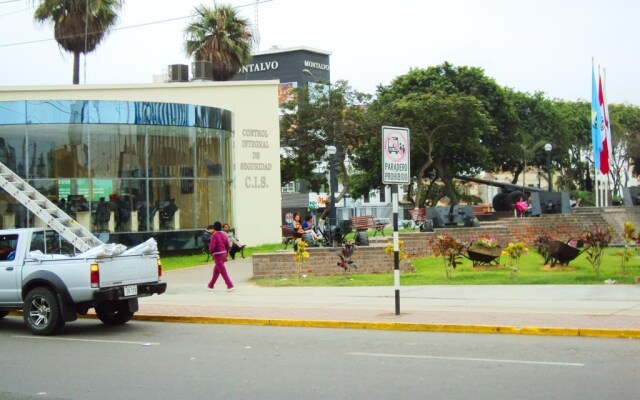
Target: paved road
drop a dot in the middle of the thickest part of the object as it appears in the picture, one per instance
(587, 310)
(157, 361)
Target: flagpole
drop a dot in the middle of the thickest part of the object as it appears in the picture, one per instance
(594, 132)
(607, 130)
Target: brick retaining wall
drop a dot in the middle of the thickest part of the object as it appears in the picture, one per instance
(372, 259)
(324, 261)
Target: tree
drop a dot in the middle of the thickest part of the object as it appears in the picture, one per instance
(219, 35)
(576, 117)
(539, 122)
(322, 115)
(471, 81)
(434, 119)
(79, 25)
(625, 133)
(458, 108)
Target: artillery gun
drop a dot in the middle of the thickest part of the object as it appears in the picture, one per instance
(542, 201)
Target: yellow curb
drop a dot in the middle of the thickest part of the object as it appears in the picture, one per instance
(390, 326)
(399, 326)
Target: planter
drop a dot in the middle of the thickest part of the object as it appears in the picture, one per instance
(561, 253)
(484, 256)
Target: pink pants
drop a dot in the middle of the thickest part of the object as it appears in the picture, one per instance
(220, 269)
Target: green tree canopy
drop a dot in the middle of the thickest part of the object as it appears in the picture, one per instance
(221, 36)
(455, 115)
(78, 29)
(322, 115)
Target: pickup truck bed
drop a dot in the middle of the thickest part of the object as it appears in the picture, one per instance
(53, 288)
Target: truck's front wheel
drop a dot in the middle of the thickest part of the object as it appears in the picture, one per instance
(41, 312)
(114, 313)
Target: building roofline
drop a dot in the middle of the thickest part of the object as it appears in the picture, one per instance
(290, 49)
(119, 86)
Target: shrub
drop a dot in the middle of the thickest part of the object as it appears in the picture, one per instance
(514, 251)
(541, 243)
(596, 240)
(629, 236)
(451, 252)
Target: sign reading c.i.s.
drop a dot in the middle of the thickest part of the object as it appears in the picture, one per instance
(395, 155)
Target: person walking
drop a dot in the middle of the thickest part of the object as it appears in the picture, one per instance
(218, 247)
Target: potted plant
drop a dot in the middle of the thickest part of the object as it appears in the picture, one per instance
(484, 250)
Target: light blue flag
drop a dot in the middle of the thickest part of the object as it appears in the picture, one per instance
(596, 121)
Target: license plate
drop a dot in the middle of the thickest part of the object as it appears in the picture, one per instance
(131, 290)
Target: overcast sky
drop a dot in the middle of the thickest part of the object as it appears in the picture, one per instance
(543, 45)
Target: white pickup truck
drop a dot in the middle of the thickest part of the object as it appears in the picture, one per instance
(41, 275)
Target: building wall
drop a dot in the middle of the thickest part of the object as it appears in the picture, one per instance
(287, 66)
(256, 157)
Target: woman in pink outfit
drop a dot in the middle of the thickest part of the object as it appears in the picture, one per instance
(218, 247)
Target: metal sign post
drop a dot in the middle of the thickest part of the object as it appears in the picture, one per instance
(395, 172)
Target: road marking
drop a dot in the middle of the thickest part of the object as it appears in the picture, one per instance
(86, 340)
(488, 360)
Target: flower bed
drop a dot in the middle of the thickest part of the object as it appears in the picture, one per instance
(484, 255)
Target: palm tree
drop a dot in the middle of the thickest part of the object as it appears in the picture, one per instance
(78, 25)
(219, 35)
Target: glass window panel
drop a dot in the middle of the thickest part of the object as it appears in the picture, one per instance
(57, 111)
(169, 149)
(13, 112)
(213, 202)
(117, 150)
(12, 148)
(160, 162)
(56, 151)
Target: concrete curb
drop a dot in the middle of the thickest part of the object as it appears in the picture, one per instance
(388, 326)
(396, 326)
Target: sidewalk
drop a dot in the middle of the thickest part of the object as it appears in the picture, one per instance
(567, 310)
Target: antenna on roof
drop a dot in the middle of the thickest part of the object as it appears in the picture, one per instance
(256, 27)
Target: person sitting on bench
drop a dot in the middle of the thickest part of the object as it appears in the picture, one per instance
(236, 246)
(308, 228)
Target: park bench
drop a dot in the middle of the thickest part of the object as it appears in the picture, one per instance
(418, 216)
(483, 211)
(287, 235)
(366, 222)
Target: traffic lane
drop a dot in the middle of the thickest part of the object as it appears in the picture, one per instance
(144, 360)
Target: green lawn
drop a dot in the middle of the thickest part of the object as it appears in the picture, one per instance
(430, 271)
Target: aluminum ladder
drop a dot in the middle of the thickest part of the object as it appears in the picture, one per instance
(47, 211)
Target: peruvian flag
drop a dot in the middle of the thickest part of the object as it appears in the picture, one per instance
(605, 131)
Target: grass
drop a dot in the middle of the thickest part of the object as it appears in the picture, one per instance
(179, 261)
(430, 271)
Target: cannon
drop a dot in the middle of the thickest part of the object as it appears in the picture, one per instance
(450, 216)
(631, 196)
(542, 201)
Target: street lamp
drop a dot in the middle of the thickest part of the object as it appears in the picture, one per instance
(331, 151)
(548, 148)
(307, 72)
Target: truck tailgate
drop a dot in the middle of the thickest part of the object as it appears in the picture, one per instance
(128, 270)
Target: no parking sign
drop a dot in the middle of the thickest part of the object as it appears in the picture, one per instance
(395, 155)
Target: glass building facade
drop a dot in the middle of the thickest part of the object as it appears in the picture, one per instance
(162, 169)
